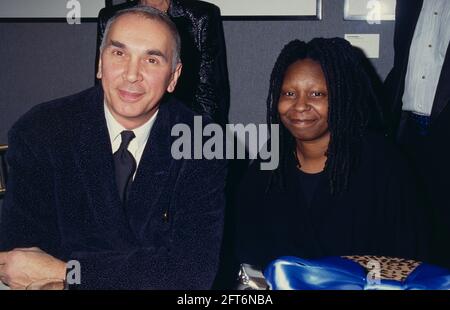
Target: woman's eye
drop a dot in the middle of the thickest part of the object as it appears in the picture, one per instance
(288, 94)
(317, 94)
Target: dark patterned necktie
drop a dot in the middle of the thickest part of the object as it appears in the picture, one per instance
(125, 165)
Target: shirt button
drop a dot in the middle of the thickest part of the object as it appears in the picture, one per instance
(429, 45)
(435, 13)
(423, 77)
(166, 217)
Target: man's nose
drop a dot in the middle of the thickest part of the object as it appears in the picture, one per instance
(133, 71)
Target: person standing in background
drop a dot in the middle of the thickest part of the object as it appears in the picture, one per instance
(418, 92)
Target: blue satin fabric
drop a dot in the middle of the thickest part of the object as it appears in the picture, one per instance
(337, 273)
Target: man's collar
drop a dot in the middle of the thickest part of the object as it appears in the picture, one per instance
(115, 128)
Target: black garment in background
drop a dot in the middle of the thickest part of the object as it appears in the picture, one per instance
(428, 155)
(378, 215)
(203, 84)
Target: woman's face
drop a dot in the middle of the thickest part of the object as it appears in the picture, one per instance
(303, 104)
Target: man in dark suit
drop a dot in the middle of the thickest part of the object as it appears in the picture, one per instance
(419, 95)
(86, 185)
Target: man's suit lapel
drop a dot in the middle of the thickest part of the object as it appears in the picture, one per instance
(408, 15)
(146, 199)
(97, 169)
(442, 97)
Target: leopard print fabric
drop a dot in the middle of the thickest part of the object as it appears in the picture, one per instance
(391, 268)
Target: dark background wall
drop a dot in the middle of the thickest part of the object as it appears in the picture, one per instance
(44, 61)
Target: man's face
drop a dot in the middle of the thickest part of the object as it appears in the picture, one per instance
(136, 68)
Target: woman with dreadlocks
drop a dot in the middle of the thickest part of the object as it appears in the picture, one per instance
(339, 188)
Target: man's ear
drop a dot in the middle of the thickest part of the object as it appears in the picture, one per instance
(174, 78)
(99, 69)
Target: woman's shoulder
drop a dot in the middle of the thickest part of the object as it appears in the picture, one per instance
(379, 145)
(381, 153)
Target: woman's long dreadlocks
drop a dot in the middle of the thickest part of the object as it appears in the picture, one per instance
(350, 96)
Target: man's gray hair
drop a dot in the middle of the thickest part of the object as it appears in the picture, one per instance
(153, 14)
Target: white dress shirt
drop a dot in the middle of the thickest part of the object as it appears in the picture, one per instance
(137, 145)
(426, 57)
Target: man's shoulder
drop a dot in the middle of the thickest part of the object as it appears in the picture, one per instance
(49, 116)
(174, 112)
(180, 113)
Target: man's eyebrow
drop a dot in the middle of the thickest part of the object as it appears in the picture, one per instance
(156, 53)
(117, 44)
